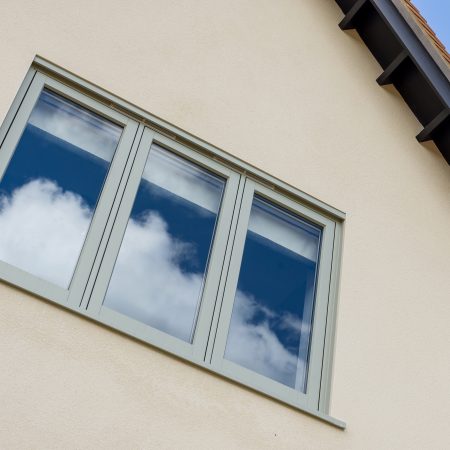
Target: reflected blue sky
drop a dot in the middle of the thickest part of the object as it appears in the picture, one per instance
(272, 313)
(51, 186)
(160, 269)
(41, 155)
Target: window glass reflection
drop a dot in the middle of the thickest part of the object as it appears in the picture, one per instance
(270, 328)
(159, 272)
(50, 188)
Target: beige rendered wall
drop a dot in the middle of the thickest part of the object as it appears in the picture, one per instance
(276, 83)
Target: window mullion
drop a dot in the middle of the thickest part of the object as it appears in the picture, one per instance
(230, 276)
(221, 272)
(81, 299)
(219, 250)
(118, 223)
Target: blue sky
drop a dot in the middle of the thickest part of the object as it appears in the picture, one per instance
(437, 14)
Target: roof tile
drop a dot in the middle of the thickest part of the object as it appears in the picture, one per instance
(428, 31)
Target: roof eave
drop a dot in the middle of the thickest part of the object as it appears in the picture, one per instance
(409, 60)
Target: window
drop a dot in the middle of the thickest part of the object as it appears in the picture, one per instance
(166, 245)
(136, 224)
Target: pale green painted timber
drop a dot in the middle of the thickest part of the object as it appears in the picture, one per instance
(97, 259)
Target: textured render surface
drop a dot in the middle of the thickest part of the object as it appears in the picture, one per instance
(277, 84)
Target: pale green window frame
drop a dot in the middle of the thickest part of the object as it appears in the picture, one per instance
(102, 244)
(9, 141)
(310, 399)
(197, 349)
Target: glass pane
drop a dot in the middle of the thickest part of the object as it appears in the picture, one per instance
(50, 188)
(270, 329)
(161, 266)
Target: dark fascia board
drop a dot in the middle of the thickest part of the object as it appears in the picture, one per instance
(410, 36)
(423, 38)
(415, 68)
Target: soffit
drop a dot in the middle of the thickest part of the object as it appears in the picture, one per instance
(412, 58)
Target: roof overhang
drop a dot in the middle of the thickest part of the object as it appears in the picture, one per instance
(409, 60)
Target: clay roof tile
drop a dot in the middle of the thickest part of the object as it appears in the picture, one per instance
(428, 31)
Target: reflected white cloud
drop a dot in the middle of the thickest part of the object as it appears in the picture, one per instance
(148, 283)
(43, 230)
(253, 344)
(285, 230)
(75, 125)
(184, 179)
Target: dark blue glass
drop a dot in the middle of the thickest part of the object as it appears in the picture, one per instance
(50, 188)
(270, 328)
(159, 273)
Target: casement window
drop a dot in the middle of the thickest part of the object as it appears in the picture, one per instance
(110, 212)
